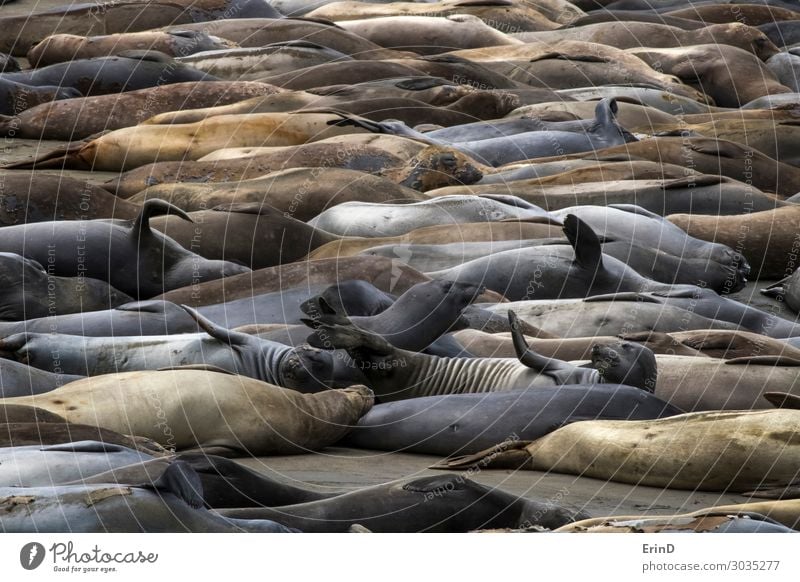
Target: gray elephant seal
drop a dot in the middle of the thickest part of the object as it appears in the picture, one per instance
(469, 423)
(447, 503)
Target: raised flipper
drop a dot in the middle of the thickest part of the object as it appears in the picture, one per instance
(155, 207)
(584, 241)
(232, 338)
(528, 356)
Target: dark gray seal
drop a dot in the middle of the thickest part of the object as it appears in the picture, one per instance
(104, 75)
(448, 503)
(16, 97)
(28, 291)
(17, 379)
(469, 423)
(129, 255)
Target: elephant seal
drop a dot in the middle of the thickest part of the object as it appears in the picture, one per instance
(579, 269)
(169, 505)
(447, 503)
(117, 248)
(783, 33)
(425, 169)
(632, 34)
(708, 67)
(786, 66)
(428, 35)
(398, 375)
(17, 379)
(468, 423)
(415, 322)
(766, 239)
(507, 148)
(360, 219)
(61, 48)
(40, 466)
(38, 197)
(80, 117)
(28, 290)
(727, 520)
(299, 193)
(226, 483)
(786, 290)
(104, 75)
(695, 384)
(16, 97)
(303, 369)
(255, 235)
(651, 451)
(646, 95)
(131, 147)
(717, 343)
(261, 419)
(137, 318)
(752, 14)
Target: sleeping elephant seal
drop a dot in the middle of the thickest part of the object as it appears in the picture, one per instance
(786, 67)
(701, 451)
(38, 197)
(170, 504)
(259, 419)
(131, 147)
(39, 466)
(726, 520)
(81, 117)
(112, 250)
(710, 68)
(447, 503)
(255, 235)
(61, 48)
(104, 75)
(17, 379)
(28, 291)
(468, 423)
(17, 97)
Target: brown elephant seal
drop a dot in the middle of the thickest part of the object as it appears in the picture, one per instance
(408, 164)
(81, 117)
(679, 452)
(715, 343)
(256, 235)
(300, 193)
(710, 69)
(428, 35)
(505, 16)
(766, 239)
(385, 274)
(37, 197)
(259, 32)
(66, 47)
(707, 156)
(625, 35)
(749, 14)
(189, 409)
(131, 147)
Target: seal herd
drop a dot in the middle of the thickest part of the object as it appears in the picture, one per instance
(537, 236)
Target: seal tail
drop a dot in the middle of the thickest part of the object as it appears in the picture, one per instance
(783, 400)
(8, 125)
(510, 454)
(67, 157)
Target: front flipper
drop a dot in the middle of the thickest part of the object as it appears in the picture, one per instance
(181, 480)
(530, 358)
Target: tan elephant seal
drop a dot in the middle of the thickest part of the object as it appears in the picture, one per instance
(729, 75)
(187, 409)
(505, 16)
(749, 14)
(716, 343)
(428, 35)
(705, 451)
(131, 147)
(79, 118)
(768, 239)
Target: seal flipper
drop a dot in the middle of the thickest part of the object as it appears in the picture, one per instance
(155, 207)
(202, 367)
(506, 455)
(763, 361)
(588, 251)
(182, 481)
(85, 447)
(232, 338)
(349, 337)
(776, 290)
(528, 357)
(783, 400)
